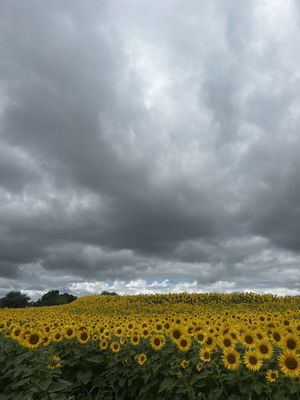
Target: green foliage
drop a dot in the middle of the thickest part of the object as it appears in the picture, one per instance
(14, 300)
(86, 372)
(21, 300)
(106, 293)
(54, 298)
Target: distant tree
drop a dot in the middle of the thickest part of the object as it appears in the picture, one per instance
(69, 297)
(105, 293)
(15, 300)
(54, 298)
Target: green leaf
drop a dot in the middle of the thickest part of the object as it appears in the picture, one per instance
(94, 358)
(20, 383)
(58, 386)
(234, 397)
(293, 388)
(84, 377)
(167, 384)
(146, 377)
(280, 395)
(28, 372)
(18, 359)
(215, 393)
(257, 387)
(195, 379)
(44, 383)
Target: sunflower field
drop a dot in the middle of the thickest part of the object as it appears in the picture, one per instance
(153, 347)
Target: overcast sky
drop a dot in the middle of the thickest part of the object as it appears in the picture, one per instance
(149, 146)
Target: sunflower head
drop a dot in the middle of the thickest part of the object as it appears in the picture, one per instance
(55, 362)
(33, 340)
(83, 337)
(184, 364)
(272, 375)
(253, 360)
(231, 359)
(205, 354)
(289, 363)
(141, 358)
(103, 344)
(265, 349)
(199, 366)
(157, 342)
(184, 343)
(115, 347)
(290, 342)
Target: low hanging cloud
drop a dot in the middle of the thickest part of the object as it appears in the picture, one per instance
(149, 147)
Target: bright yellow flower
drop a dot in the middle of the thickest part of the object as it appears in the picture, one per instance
(231, 359)
(272, 375)
(184, 343)
(83, 336)
(115, 347)
(55, 362)
(265, 349)
(157, 341)
(141, 358)
(253, 360)
(184, 363)
(205, 354)
(289, 363)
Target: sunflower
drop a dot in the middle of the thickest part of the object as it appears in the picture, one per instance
(115, 347)
(103, 344)
(83, 337)
(200, 337)
(57, 336)
(226, 341)
(289, 363)
(253, 360)
(33, 340)
(205, 354)
(184, 364)
(265, 349)
(184, 343)
(130, 326)
(145, 332)
(119, 331)
(210, 341)
(248, 340)
(55, 362)
(272, 375)
(199, 366)
(141, 358)
(122, 340)
(231, 359)
(289, 342)
(234, 334)
(16, 333)
(135, 339)
(157, 342)
(46, 340)
(276, 336)
(69, 332)
(158, 327)
(175, 332)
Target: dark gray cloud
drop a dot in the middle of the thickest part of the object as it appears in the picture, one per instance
(148, 142)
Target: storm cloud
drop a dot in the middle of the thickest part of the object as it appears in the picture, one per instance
(149, 146)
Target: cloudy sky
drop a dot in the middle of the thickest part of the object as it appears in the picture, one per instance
(149, 146)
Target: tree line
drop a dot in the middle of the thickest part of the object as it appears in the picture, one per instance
(52, 298)
(20, 300)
